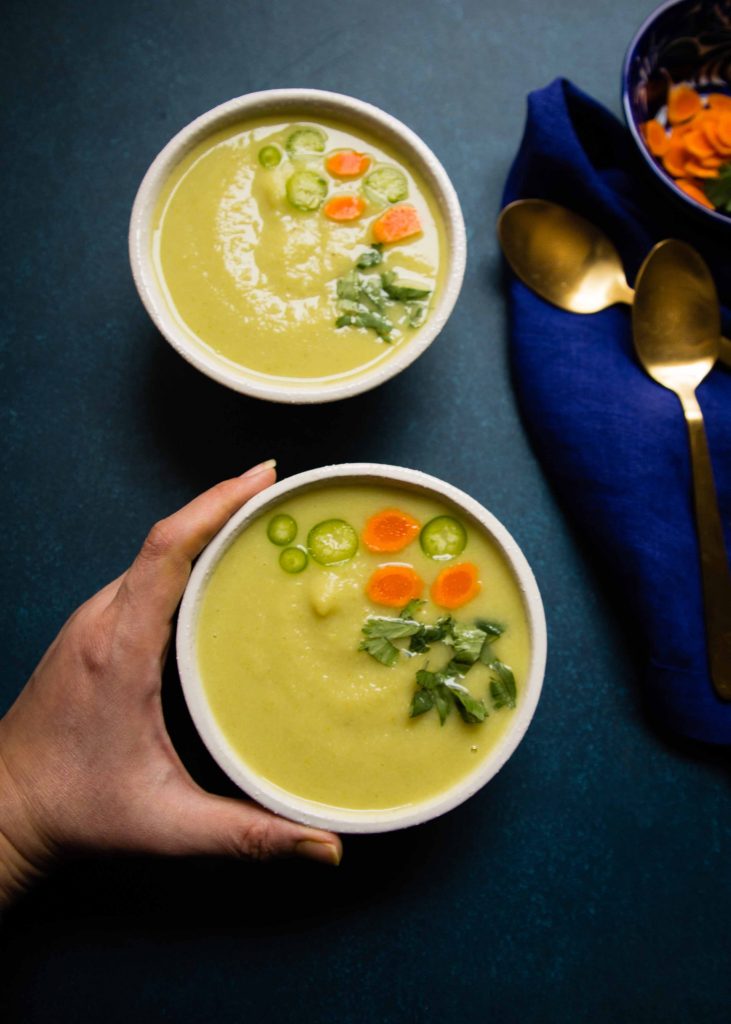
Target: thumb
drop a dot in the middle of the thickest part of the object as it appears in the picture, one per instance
(202, 824)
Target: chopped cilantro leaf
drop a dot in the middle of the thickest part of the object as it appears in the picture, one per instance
(371, 257)
(444, 689)
(502, 685)
(401, 293)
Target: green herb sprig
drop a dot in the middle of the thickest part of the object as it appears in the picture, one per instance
(363, 299)
(371, 257)
(445, 689)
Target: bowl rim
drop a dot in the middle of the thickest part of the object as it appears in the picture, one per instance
(311, 812)
(659, 173)
(301, 102)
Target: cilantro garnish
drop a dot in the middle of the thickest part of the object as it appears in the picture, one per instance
(380, 631)
(363, 299)
(400, 293)
(502, 685)
(371, 257)
(445, 689)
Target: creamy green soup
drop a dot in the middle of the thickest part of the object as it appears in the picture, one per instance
(257, 263)
(297, 672)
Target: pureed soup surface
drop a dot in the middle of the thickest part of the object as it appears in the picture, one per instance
(258, 234)
(279, 651)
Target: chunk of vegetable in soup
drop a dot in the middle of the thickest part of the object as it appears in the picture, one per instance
(320, 678)
(299, 251)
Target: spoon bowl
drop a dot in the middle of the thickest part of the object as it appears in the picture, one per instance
(565, 259)
(561, 256)
(676, 320)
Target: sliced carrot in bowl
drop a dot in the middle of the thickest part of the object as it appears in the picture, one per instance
(675, 159)
(344, 207)
(394, 585)
(691, 189)
(683, 103)
(390, 530)
(397, 223)
(656, 137)
(347, 163)
(456, 585)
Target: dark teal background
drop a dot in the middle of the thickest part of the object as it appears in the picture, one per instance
(591, 880)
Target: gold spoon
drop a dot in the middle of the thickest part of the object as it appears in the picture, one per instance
(676, 325)
(566, 259)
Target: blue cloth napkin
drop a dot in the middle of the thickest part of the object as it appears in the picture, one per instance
(612, 442)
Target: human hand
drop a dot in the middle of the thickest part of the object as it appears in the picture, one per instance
(86, 762)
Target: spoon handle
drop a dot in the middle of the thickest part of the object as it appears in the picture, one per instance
(714, 563)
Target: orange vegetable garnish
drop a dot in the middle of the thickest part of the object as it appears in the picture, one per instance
(719, 101)
(691, 189)
(656, 137)
(724, 128)
(696, 145)
(344, 207)
(390, 530)
(698, 169)
(679, 131)
(399, 222)
(710, 129)
(674, 160)
(346, 163)
(394, 585)
(683, 103)
(456, 585)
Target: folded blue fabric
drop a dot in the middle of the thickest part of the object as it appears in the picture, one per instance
(612, 442)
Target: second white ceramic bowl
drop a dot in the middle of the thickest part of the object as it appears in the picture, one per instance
(300, 104)
(308, 811)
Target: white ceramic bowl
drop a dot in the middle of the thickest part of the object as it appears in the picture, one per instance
(300, 104)
(296, 807)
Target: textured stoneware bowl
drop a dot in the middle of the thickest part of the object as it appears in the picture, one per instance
(297, 807)
(301, 104)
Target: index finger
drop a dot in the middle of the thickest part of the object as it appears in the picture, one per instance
(154, 583)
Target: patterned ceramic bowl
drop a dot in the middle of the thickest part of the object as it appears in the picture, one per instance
(684, 43)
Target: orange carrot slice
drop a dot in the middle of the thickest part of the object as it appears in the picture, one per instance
(394, 585)
(390, 530)
(394, 225)
(677, 131)
(724, 128)
(697, 144)
(656, 137)
(344, 207)
(691, 189)
(456, 585)
(719, 101)
(346, 163)
(683, 103)
(710, 130)
(675, 159)
(696, 169)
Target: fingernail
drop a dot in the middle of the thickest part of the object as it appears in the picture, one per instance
(326, 853)
(255, 470)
